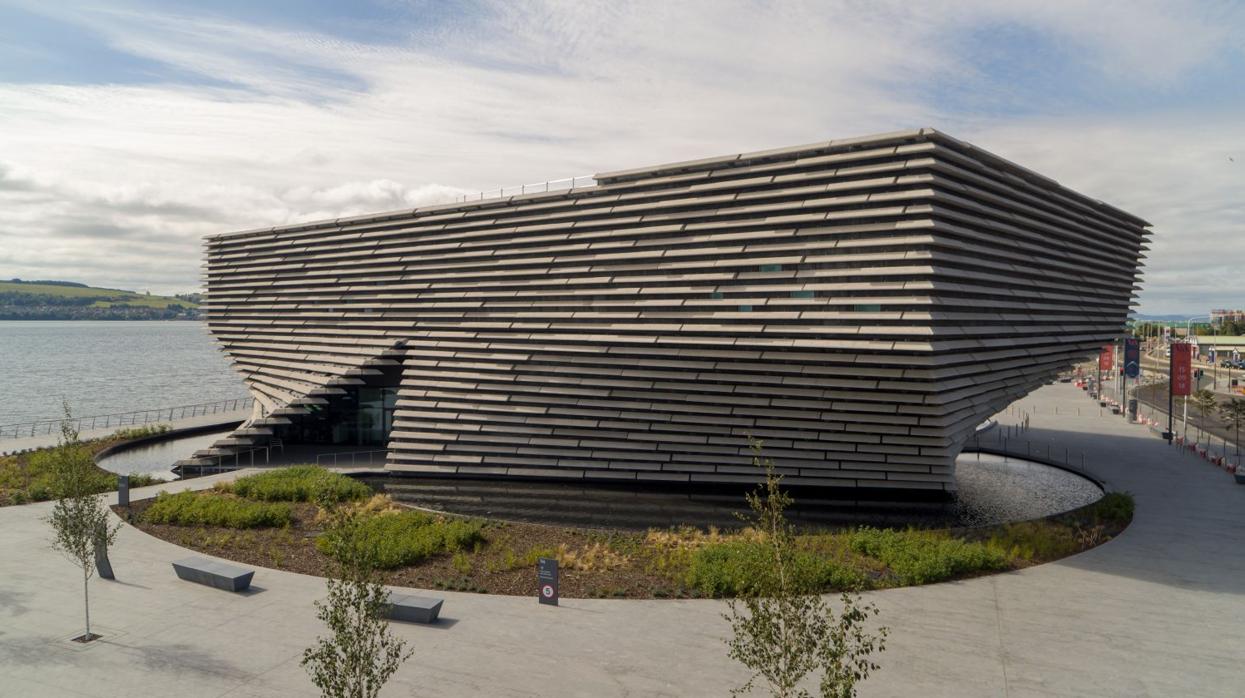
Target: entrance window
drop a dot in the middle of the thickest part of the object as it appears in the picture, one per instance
(361, 417)
(375, 415)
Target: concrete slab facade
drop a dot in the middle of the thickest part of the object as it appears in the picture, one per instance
(861, 305)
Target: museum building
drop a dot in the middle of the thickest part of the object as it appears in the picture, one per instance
(860, 305)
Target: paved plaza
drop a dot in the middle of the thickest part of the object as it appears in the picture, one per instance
(1160, 611)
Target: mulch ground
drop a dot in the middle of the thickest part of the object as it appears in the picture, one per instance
(498, 567)
(505, 563)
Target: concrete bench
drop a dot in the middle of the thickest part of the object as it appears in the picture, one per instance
(414, 609)
(213, 573)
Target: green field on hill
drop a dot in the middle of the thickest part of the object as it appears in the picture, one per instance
(24, 300)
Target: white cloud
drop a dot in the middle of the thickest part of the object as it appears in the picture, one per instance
(298, 126)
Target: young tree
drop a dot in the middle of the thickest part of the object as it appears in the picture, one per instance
(79, 518)
(1206, 404)
(784, 630)
(1233, 412)
(361, 653)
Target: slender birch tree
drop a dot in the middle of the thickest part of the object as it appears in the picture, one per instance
(79, 518)
(1233, 412)
(360, 654)
(1206, 404)
(784, 631)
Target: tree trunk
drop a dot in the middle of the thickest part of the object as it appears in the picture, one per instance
(86, 600)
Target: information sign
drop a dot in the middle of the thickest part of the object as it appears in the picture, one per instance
(547, 580)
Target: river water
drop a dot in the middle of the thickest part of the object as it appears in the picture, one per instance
(107, 367)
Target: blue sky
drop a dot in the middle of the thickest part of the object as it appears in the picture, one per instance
(137, 127)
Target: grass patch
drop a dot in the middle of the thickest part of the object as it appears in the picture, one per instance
(426, 550)
(1115, 508)
(27, 477)
(739, 567)
(1035, 540)
(304, 483)
(210, 509)
(1051, 539)
(922, 557)
(140, 480)
(141, 431)
(408, 537)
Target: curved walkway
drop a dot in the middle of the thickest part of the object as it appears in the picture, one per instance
(1159, 611)
(221, 419)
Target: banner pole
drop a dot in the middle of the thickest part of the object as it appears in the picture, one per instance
(1171, 393)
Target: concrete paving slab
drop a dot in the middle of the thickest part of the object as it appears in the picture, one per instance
(1158, 611)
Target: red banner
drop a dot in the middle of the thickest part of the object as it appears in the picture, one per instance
(1182, 369)
(1106, 357)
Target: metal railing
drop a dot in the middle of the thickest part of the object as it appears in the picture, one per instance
(125, 419)
(1011, 440)
(334, 459)
(241, 459)
(553, 185)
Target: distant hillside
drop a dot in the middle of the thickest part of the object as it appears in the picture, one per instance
(67, 300)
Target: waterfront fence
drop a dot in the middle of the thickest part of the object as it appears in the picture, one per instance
(126, 419)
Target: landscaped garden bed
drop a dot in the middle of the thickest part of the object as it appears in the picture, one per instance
(284, 519)
(27, 477)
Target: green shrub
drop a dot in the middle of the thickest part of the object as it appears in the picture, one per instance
(744, 567)
(1115, 507)
(210, 509)
(40, 465)
(140, 431)
(304, 483)
(143, 480)
(1035, 540)
(405, 538)
(922, 557)
(28, 477)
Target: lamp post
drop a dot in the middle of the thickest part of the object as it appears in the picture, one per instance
(1214, 343)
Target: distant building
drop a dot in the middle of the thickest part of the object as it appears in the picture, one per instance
(861, 305)
(1221, 344)
(1220, 315)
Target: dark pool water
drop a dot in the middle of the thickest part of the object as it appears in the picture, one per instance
(994, 489)
(158, 458)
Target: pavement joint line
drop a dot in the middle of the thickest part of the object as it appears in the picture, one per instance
(1074, 626)
(998, 624)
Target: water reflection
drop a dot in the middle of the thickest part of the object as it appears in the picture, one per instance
(158, 458)
(997, 490)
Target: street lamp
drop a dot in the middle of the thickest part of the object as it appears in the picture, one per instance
(1214, 342)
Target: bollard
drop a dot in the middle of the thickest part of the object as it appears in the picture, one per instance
(123, 490)
(102, 564)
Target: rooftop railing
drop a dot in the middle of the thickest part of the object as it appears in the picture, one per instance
(553, 185)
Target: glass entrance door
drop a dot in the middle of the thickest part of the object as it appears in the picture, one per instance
(375, 415)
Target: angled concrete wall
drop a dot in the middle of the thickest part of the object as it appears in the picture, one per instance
(858, 304)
